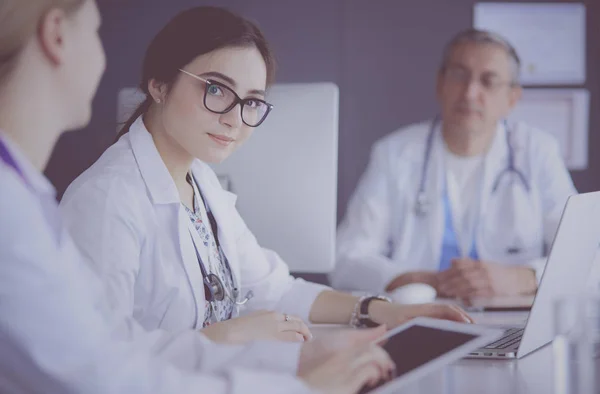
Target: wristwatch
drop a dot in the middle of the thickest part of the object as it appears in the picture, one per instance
(360, 315)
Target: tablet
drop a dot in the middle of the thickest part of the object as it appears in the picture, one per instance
(423, 345)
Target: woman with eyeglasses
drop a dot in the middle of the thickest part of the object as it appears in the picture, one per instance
(151, 217)
(57, 332)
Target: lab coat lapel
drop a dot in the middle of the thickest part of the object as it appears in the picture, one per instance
(495, 162)
(222, 205)
(190, 261)
(167, 204)
(157, 178)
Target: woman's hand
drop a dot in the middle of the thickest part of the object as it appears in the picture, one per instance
(262, 325)
(344, 361)
(393, 315)
(349, 371)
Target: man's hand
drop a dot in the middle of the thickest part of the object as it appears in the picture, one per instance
(468, 278)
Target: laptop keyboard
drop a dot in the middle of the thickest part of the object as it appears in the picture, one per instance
(511, 339)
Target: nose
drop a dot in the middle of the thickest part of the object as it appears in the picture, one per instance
(472, 89)
(233, 118)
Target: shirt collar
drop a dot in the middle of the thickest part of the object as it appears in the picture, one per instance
(32, 176)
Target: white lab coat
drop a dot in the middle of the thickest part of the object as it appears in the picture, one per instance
(58, 335)
(381, 237)
(125, 215)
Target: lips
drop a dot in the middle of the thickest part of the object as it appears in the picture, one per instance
(221, 139)
(465, 108)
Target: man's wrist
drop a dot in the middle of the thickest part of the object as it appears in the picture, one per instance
(401, 280)
(528, 280)
(429, 278)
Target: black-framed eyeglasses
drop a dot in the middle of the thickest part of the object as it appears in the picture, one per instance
(490, 83)
(220, 99)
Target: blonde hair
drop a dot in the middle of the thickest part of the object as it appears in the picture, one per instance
(19, 20)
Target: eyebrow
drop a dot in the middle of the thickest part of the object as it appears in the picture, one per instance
(487, 73)
(230, 81)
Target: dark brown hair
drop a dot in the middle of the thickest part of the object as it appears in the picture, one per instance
(193, 33)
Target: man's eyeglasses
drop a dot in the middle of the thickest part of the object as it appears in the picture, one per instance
(490, 83)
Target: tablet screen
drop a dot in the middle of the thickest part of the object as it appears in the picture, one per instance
(417, 345)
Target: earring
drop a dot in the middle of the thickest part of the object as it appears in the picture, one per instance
(157, 101)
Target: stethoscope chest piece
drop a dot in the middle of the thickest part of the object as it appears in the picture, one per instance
(214, 288)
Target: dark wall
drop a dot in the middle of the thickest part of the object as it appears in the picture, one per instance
(383, 54)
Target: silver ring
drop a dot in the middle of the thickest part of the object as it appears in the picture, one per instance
(286, 317)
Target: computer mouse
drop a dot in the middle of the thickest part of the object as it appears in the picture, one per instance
(414, 293)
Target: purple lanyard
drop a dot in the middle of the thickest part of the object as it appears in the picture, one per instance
(6, 157)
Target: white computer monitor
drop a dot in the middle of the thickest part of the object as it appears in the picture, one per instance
(285, 175)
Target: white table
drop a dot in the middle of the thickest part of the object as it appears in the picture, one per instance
(532, 374)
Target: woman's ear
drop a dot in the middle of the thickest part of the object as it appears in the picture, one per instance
(158, 90)
(51, 35)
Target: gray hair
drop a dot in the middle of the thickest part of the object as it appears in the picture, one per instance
(483, 37)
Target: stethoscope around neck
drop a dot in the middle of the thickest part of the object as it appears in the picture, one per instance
(422, 203)
(214, 288)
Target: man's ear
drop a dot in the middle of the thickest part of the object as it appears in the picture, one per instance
(516, 93)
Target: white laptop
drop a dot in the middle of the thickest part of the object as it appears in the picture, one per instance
(567, 268)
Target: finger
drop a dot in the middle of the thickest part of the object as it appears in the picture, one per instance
(450, 288)
(366, 335)
(446, 274)
(448, 284)
(350, 338)
(353, 338)
(383, 360)
(460, 288)
(289, 336)
(455, 263)
(374, 356)
(463, 283)
(467, 301)
(451, 312)
(368, 376)
(465, 262)
(462, 267)
(296, 325)
(465, 315)
(482, 292)
(453, 274)
(479, 287)
(476, 282)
